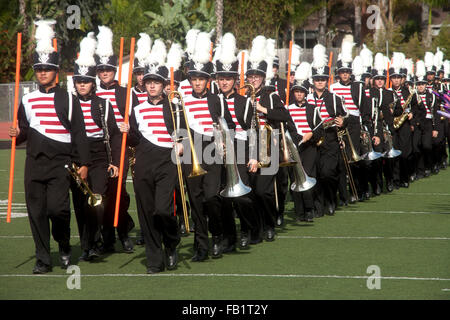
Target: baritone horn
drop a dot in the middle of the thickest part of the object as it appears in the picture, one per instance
(94, 199)
(224, 144)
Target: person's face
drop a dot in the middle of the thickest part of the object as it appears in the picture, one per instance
(292, 78)
(45, 76)
(83, 87)
(379, 82)
(299, 95)
(139, 77)
(320, 83)
(421, 87)
(255, 80)
(396, 81)
(275, 70)
(430, 77)
(154, 88)
(106, 76)
(167, 88)
(226, 84)
(344, 76)
(367, 82)
(199, 84)
(403, 80)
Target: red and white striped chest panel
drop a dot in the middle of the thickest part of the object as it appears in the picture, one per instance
(41, 115)
(142, 96)
(241, 134)
(423, 97)
(262, 117)
(151, 125)
(400, 96)
(198, 115)
(346, 94)
(185, 88)
(111, 95)
(92, 130)
(319, 103)
(367, 91)
(299, 117)
(429, 87)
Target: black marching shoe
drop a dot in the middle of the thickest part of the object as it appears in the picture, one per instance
(41, 268)
(183, 230)
(217, 247)
(64, 257)
(390, 187)
(244, 241)
(309, 216)
(84, 256)
(229, 248)
(412, 178)
(172, 258)
(200, 255)
(93, 253)
(404, 184)
(280, 220)
(427, 173)
(153, 270)
(270, 235)
(127, 245)
(330, 210)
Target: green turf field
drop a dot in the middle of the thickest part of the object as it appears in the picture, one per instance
(405, 233)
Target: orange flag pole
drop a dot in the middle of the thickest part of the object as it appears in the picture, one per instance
(172, 85)
(388, 85)
(124, 135)
(241, 84)
(13, 142)
(121, 61)
(289, 74)
(330, 75)
(55, 46)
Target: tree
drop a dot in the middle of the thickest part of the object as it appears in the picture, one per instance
(219, 18)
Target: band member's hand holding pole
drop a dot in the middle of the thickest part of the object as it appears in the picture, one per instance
(124, 137)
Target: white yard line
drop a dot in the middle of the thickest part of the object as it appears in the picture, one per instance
(232, 275)
(393, 211)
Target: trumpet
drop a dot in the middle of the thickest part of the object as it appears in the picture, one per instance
(265, 132)
(234, 187)
(94, 199)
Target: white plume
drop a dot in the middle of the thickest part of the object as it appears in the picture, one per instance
(379, 62)
(44, 36)
(202, 48)
(409, 64)
(367, 56)
(398, 60)
(270, 48)
(303, 72)
(447, 68)
(420, 69)
(174, 57)
(104, 42)
(429, 60)
(269, 71)
(438, 58)
(158, 54)
(217, 53)
(87, 50)
(320, 58)
(357, 67)
(191, 38)
(144, 45)
(296, 53)
(346, 50)
(258, 51)
(228, 49)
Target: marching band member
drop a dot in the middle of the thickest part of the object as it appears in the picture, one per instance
(51, 121)
(111, 90)
(241, 112)
(271, 110)
(144, 45)
(151, 127)
(191, 37)
(202, 110)
(104, 142)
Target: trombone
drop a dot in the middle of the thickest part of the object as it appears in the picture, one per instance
(197, 170)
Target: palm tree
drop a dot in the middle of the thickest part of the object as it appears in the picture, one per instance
(219, 18)
(427, 9)
(323, 23)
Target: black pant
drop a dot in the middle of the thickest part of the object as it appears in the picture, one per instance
(265, 206)
(154, 184)
(47, 185)
(329, 167)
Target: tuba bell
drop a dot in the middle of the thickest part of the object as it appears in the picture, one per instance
(367, 143)
(391, 152)
(302, 181)
(224, 144)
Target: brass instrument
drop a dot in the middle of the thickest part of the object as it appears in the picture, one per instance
(132, 159)
(234, 187)
(341, 134)
(398, 121)
(302, 181)
(367, 142)
(265, 133)
(391, 152)
(94, 199)
(197, 170)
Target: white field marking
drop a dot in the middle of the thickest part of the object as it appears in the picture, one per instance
(393, 211)
(362, 238)
(15, 214)
(5, 203)
(445, 289)
(233, 275)
(423, 194)
(290, 237)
